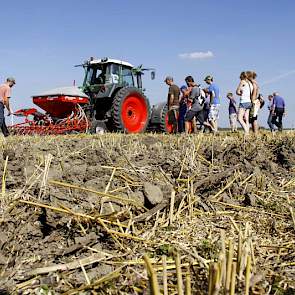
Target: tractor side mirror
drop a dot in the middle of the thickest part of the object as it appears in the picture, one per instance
(153, 75)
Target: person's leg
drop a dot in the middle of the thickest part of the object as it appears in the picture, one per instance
(200, 117)
(188, 120)
(269, 121)
(187, 127)
(241, 120)
(175, 124)
(5, 129)
(231, 122)
(255, 126)
(247, 123)
(274, 119)
(280, 120)
(235, 123)
(2, 121)
(182, 111)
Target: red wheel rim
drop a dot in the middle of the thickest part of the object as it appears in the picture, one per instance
(134, 113)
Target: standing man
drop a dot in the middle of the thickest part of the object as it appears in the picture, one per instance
(5, 94)
(213, 91)
(182, 108)
(197, 105)
(269, 120)
(232, 110)
(173, 103)
(278, 109)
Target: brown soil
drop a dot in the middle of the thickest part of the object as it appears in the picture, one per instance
(222, 183)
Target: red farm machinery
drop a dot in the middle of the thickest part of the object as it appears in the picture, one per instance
(111, 98)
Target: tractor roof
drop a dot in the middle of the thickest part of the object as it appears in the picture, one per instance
(110, 60)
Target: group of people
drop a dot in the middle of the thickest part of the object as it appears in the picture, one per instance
(190, 104)
(191, 107)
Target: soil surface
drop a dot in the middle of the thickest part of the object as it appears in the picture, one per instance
(77, 213)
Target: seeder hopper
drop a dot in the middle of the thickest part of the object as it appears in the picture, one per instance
(64, 113)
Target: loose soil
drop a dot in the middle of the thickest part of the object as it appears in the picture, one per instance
(79, 212)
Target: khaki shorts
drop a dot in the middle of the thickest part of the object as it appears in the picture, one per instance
(214, 112)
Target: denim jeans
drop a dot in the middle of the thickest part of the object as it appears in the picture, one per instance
(2, 121)
(269, 121)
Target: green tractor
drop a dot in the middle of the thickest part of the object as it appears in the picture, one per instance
(117, 100)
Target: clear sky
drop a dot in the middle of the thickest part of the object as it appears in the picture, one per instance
(42, 40)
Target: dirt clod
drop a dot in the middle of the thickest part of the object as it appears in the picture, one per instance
(153, 193)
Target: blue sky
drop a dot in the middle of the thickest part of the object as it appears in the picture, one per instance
(42, 41)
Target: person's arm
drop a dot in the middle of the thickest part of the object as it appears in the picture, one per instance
(254, 92)
(273, 106)
(171, 99)
(212, 94)
(239, 89)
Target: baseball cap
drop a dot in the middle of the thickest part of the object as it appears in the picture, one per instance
(10, 79)
(209, 77)
(183, 87)
(170, 78)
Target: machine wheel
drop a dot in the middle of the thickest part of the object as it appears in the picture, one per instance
(130, 111)
(164, 125)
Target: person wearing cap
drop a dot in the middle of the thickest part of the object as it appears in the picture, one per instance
(5, 94)
(172, 103)
(183, 106)
(197, 99)
(213, 91)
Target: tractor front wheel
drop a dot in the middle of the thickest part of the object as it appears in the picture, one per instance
(130, 111)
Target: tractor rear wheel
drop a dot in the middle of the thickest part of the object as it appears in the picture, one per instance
(164, 125)
(130, 111)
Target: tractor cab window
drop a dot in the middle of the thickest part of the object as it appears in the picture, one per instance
(100, 74)
(89, 75)
(96, 75)
(115, 74)
(127, 77)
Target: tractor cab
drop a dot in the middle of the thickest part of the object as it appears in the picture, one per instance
(104, 76)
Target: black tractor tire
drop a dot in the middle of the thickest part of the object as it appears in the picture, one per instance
(130, 111)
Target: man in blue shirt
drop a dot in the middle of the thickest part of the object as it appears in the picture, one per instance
(278, 110)
(213, 91)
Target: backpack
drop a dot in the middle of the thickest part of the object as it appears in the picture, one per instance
(201, 97)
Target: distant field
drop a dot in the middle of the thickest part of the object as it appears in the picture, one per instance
(78, 214)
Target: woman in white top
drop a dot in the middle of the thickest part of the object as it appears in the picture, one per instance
(244, 90)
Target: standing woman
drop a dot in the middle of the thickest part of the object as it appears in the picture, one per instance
(256, 103)
(244, 90)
